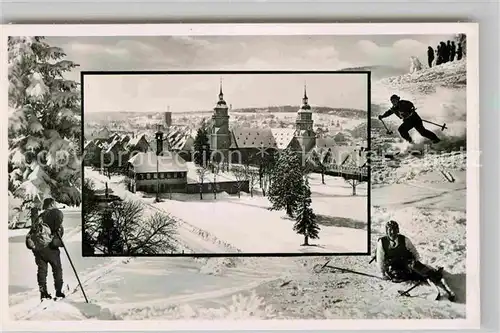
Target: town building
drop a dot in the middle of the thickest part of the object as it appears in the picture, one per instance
(173, 171)
(147, 171)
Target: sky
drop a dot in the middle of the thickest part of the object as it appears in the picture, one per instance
(243, 53)
(184, 93)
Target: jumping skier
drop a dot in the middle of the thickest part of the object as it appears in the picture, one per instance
(406, 110)
(398, 260)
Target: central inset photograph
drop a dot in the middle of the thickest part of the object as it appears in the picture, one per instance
(232, 163)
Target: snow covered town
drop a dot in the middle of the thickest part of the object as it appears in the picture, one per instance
(174, 170)
(235, 166)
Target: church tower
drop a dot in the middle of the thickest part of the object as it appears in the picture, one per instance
(220, 138)
(304, 125)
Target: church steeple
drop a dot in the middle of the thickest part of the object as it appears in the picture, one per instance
(221, 103)
(305, 101)
(220, 135)
(304, 124)
(221, 94)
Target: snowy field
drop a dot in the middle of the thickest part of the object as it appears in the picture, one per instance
(248, 225)
(260, 288)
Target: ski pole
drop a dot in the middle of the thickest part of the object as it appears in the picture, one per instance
(405, 292)
(443, 127)
(72, 266)
(355, 272)
(386, 128)
(346, 270)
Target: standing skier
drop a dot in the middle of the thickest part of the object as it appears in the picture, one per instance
(406, 110)
(44, 240)
(430, 56)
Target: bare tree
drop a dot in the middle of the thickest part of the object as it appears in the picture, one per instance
(265, 184)
(354, 183)
(252, 176)
(240, 175)
(215, 171)
(156, 236)
(123, 228)
(201, 172)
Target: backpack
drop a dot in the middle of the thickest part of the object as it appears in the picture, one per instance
(40, 235)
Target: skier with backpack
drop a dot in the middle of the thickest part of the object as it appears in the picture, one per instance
(399, 260)
(44, 239)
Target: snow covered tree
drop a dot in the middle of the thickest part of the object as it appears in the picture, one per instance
(122, 227)
(305, 218)
(240, 175)
(201, 148)
(252, 176)
(286, 182)
(44, 122)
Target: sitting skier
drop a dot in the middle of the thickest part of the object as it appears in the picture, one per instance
(398, 260)
(406, 110)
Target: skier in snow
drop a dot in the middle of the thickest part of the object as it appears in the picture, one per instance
(406, 110)
(399, 260)
(47, 253)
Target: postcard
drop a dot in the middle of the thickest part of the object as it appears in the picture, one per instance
(241, 176)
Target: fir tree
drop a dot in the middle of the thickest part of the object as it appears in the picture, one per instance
(286, 182)
(44, 122)
(305, 218)
(201, 148)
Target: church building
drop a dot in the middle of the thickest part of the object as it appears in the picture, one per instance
(246, 145)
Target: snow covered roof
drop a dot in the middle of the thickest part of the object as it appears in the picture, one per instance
(217, 129)
(135, 141)
(125, 139)
(146, 162)
(283, 137)
(183, 143)
(246, 137)
(114, 144)
(89, 145)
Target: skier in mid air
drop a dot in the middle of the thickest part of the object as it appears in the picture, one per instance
(406, 110)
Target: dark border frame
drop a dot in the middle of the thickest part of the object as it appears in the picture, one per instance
(231, 72)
